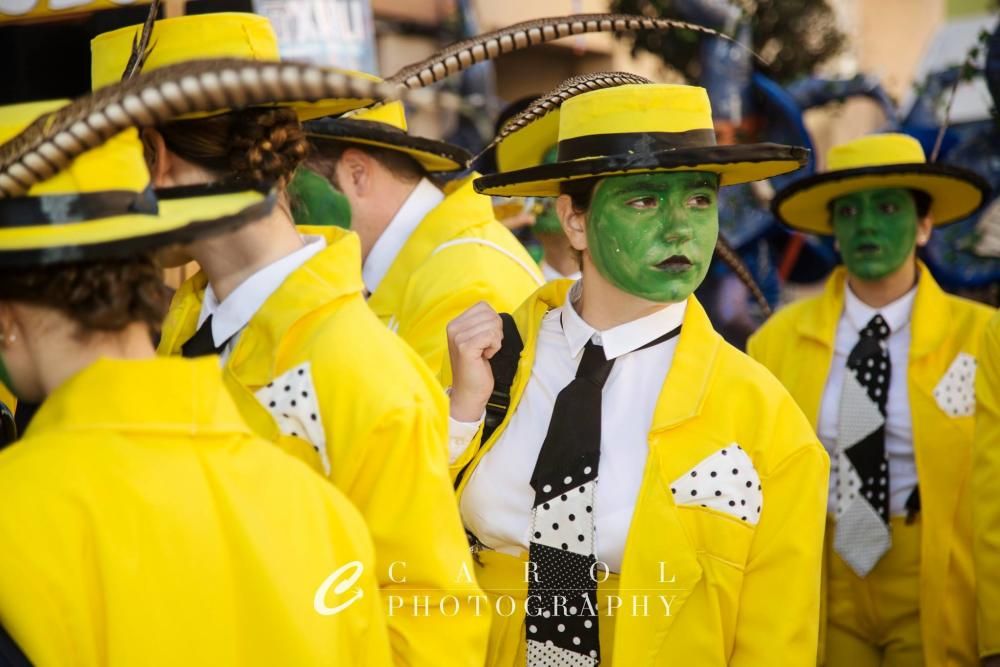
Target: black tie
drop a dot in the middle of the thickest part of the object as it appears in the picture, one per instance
(562, 629)
(202, 342)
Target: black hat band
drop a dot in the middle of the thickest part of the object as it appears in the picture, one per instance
(63, 209)
(627, 143)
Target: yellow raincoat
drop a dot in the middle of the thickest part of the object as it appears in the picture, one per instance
(797, 346)
(316, 372)
(458, 256)
(739, 594)
(986, 472)
(143, 523)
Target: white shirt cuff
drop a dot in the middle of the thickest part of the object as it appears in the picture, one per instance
(460, 434)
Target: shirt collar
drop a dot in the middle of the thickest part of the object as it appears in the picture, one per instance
(234, 312)
(623, 338)
(424, 199)
(550, 272)
(896, 314)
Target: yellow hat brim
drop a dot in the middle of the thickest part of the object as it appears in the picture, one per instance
(178, 221)
(734, 164)
(955, 193)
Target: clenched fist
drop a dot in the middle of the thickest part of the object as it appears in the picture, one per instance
(473, 338)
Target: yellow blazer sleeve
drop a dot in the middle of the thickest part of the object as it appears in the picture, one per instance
(391, 463)
(442, 290)
(780, 599)
(986, 507)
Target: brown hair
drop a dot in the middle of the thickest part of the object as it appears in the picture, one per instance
(103, 295)
(254, 146)
(580, 192)
(327, 153)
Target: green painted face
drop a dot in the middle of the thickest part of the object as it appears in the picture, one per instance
(876, 230)
(547, 222)
(653, 235)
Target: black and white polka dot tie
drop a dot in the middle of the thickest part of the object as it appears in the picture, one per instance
(862, 532)
(561, 628)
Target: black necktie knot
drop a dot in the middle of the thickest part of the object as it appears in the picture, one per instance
(876, 328)
(202, 342)
(594, 367)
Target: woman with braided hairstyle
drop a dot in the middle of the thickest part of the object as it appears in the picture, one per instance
(142, 522)
(308, 363)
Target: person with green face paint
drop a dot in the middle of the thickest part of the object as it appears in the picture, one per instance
(883, 363)
(626, 452)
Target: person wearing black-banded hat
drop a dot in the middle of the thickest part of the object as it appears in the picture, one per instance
(428, 252)
(883, 363)
(641, 488)
(309, 364)
(141, 519)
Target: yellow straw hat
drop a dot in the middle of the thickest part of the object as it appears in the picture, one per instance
(101, 204)
(876, 162)
(202, 36)
(385, 127)
(641, 128)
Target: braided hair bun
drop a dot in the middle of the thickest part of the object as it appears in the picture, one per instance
(251, 146)
(105, 295)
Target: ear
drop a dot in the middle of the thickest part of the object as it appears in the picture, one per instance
(158, 158)
(573, 222)
(924, 227)
(8, 324)
(355, 173)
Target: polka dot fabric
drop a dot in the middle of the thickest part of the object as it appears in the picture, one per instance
(565, 521)
(725, 481)
(542, 654)
(291, 400)
(955, 393)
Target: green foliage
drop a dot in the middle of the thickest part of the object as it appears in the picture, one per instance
(795, 35)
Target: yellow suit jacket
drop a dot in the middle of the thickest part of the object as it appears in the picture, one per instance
(315, 371)
(797, 343)
(458, 256)
(986, 509)
(743, 594)
(143, 523)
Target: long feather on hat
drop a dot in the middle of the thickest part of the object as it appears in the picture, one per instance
(465, 54)
(140, 43)
(50, 143)
(553, 99)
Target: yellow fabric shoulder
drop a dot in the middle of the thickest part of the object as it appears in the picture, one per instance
(315, 371)
(458, 256)
(718, 572)
(144, 523)
(986, 509)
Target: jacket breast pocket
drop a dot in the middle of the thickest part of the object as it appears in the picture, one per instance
(716, 535)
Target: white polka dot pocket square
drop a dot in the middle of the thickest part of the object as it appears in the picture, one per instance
(291, 400)
(725, 481)
(955, 393)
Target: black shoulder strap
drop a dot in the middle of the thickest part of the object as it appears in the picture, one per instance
(504, 366)
(8, 426)
(11, 654)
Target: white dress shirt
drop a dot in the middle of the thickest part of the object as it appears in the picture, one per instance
(424, 198)
(496, 505)
(550, 272)
(899, 426)
(234, 312)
